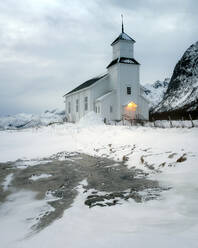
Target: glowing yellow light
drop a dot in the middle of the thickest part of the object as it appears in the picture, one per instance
(132, 106)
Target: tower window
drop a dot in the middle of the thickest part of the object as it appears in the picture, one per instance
(86, 103)
(128, 90)
(77, 105)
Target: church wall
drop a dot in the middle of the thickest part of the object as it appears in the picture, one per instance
(74, 116)
(106, 104)
(116, 51)
(144, 106)
(123, 49)
(100, 88)
(113, 81)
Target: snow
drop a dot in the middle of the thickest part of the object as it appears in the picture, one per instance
(26, 163)
(128, 61)
(183, 89)
(7, 181)
(37, 177)
(170, 221)
(17, 215)
(31, 120)
(155, 92)
(90, 119)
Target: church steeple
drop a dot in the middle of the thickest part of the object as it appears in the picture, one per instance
(122, 23)
(123, 47)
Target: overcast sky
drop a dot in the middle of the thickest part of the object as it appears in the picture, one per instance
(48, 47)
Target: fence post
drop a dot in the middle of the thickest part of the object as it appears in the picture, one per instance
(171, 124)
(153, 122)
(191, 120)
(182, 122)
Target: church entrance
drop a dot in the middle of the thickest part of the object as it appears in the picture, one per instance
(130, 111)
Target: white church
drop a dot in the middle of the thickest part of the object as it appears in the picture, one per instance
(115, 95)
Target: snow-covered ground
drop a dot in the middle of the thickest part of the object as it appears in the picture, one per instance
(168, 155)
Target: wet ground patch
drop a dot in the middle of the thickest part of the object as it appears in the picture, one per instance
(56, 178)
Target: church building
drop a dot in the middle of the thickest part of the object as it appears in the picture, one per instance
(115, 95)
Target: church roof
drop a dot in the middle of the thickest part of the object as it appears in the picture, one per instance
(86, 84)
(122, 36)
(124, 61)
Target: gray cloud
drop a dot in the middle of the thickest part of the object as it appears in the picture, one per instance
(47, 47)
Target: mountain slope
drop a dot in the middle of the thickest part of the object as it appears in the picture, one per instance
(31, 120)
(155, 92)
(182, 93)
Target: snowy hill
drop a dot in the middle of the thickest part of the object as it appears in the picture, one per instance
(182, 92)
(155, 92)
(31, 120)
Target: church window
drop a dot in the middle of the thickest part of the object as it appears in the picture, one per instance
(128, 90)
(111, 109)
(98, 109)
(69, 107)
(77, 105)
(86, 103)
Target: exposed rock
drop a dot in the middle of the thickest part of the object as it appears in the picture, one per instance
(182, 93)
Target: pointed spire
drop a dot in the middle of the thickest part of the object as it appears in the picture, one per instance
(122, 23)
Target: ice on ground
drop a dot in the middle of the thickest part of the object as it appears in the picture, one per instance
(22, 164)
(37, 177)
(7, 181)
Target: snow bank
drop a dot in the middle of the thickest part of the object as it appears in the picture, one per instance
(91, 119)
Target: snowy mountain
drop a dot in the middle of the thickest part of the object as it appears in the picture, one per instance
(31, 120)
(182, 93)
(155, 92)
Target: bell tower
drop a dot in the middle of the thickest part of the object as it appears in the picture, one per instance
(124, 72)
(123, 45)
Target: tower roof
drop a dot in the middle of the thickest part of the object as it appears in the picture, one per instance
(122, 36)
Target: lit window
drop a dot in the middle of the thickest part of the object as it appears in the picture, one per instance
(128, 90)
(111, 109)
(86, 103)
(77, 105)
(69, 107)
